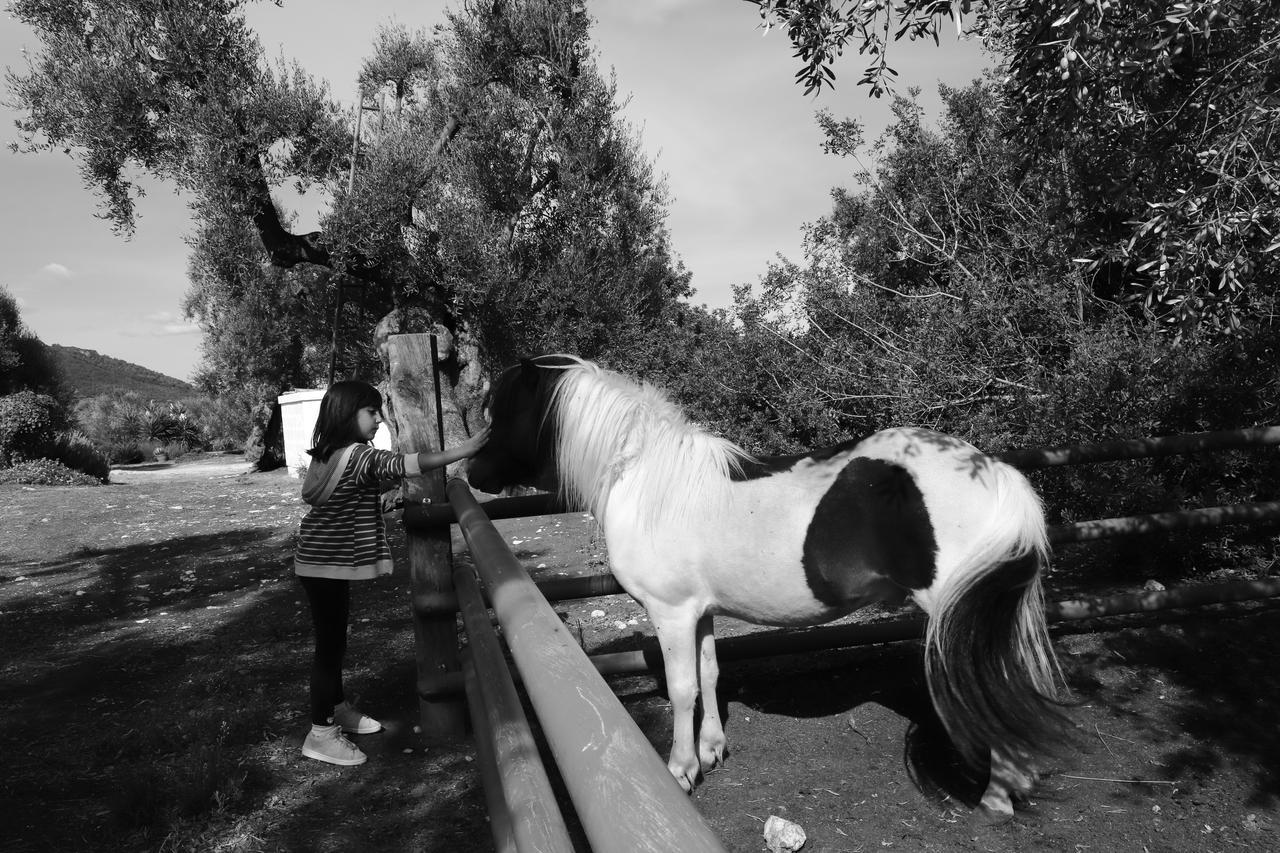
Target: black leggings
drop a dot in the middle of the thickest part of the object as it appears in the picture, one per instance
(330, 608)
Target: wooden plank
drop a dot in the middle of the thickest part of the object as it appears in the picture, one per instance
(504, 838)
(528, 799)
(1141, 448)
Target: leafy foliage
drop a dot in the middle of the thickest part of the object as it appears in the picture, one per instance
(944, 294)
(129, 428)
(47, 472)
(1162, 116)
(1167, 119)
(29, 423)
(26, 363)
(499, 200)
(930, 296)
(821, 30)
(36, 439)
(265, 328)
(223, 423)
(173, 88)
(169, 423)
(76, 451)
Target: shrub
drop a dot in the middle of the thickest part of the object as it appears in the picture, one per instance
(111, 420)
(119, 421)
(29, 425)
(227, 444)
(175, 449)
(224, 423)
(75, 450)
(46, 472)
(169, 423)
(125, 453)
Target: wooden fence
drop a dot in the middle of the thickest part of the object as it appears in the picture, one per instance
(624, 797)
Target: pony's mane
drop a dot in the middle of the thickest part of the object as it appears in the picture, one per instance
(608, 424)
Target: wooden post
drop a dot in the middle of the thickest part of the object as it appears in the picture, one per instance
(412, 406)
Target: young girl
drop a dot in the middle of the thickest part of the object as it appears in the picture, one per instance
(343, 539)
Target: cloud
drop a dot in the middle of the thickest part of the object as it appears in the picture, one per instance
(167, 330)
(176, 329)
(56, 270)
(162, 324)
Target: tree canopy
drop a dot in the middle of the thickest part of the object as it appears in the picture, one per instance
(26, 364)
(499, 199)
(1163, 115)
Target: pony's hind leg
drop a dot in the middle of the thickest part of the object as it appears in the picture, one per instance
(1010, 776)
(711, 739)
(675, 628)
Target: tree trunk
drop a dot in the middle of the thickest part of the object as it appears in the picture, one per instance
(462, 375)
(265, 445)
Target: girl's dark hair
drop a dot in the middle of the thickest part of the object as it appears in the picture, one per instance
(336, 425)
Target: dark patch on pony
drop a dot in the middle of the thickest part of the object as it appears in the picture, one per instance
(756, 467)
(872, 521)
(519, 404)
(979, 678)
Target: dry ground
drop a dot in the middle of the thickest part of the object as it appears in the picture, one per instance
(153, 647)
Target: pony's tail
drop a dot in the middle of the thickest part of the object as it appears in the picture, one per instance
(991, 668)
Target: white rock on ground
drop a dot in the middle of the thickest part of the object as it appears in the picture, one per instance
(783, 836)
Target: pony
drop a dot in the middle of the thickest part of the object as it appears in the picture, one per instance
(695, 526)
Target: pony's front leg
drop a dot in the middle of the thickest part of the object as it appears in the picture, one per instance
(711, 739)
(675, 630)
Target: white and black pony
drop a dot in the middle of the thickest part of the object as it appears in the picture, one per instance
(696, 526)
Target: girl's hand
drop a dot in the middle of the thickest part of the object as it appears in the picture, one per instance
(473, 444)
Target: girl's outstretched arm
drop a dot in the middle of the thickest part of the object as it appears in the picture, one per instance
(438, 459)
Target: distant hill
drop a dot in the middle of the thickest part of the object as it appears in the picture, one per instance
(91, 373)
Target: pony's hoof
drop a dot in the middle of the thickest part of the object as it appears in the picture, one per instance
(711, 758)
(989, 815)
(685, 779)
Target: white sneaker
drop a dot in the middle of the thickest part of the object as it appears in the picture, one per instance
(353, 722)
(326, 743)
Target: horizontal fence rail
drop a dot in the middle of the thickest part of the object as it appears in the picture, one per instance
(1141, 448)
(591, 586)
(527, 801)
(625, 798)
(432, 515)
(768, 643)
(1162, 522)
(793, 641)
(504, 838)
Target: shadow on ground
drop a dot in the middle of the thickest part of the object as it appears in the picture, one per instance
(1214, 678)
(164, 704)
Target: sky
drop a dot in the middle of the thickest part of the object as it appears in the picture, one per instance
(710, 94)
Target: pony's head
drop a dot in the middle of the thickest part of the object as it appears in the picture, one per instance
(521, 450)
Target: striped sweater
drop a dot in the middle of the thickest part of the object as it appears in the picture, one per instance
(343, 535)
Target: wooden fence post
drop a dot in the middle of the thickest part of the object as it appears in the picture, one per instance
(414, 410)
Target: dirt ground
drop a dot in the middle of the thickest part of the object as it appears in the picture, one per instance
(153, 652)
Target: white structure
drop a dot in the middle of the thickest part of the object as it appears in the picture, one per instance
(298, 412)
